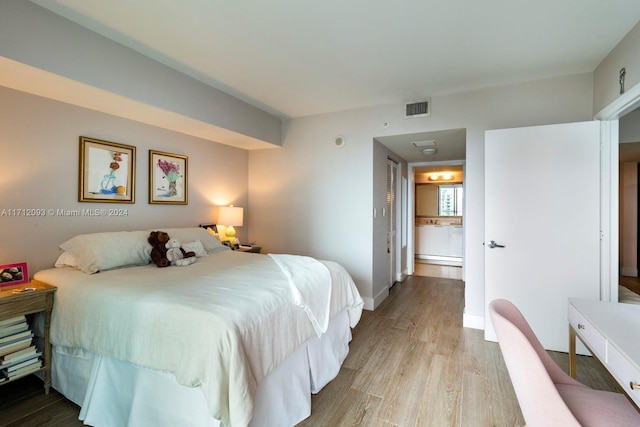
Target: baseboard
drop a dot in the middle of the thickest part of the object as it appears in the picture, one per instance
(382, 295)
(441, 260)
(402, 276)
(630, 272)
(372, 303)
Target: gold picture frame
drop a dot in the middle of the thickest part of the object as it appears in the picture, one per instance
(107, 171)
(168, 178)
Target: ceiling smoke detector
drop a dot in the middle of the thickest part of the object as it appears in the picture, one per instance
(429, 151)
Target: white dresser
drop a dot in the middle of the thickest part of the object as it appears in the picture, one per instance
(611, 331)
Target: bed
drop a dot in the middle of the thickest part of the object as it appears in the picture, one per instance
(234, 339)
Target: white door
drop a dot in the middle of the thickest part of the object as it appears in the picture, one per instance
(542, 203)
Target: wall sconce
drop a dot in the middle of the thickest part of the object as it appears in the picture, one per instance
(230, 216)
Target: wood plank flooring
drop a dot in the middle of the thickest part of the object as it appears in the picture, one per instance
(631, 283)
(24, 404)
(430, 269)
(411, 363)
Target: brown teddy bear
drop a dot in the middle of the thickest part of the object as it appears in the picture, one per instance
(158, 240)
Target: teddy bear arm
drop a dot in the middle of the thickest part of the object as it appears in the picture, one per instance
(158, 258)
(186, 254)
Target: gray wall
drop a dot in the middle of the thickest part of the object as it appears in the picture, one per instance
(40, 146)
(37, 37)
(606, 76)
(316, 199)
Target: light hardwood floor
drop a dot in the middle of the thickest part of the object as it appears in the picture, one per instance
(428, 269)
(631, 283)
(411, 363)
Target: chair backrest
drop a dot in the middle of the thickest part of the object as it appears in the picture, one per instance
(531, 369)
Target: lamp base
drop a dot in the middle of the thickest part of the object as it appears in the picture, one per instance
(230, 234)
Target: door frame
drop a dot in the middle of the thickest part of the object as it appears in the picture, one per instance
(411, 209)
(609, 180)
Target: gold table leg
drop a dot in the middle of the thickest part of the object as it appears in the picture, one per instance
(572, 352)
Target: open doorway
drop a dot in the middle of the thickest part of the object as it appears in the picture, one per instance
(629, 203)
(439, 220)
(423, 152)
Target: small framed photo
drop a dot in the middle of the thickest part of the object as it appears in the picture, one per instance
(13, 274)
(168, 175)
(107, 171)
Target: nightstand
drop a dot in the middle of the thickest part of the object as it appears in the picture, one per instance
(16, 301)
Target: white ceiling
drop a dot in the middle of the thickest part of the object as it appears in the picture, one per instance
(296, 58)
(450, 145)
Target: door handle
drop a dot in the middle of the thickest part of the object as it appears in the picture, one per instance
(493, 244)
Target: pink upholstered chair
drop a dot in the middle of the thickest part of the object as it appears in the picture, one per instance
(547, 395)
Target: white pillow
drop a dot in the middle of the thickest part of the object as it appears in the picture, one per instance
(195, 247)
(106, 251)
(65, 259)
(190, 234)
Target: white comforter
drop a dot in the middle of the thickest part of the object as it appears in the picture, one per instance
(221, 324)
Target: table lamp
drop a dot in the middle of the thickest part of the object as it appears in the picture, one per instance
(230, 216)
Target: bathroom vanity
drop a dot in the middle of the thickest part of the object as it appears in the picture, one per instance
(439, 239)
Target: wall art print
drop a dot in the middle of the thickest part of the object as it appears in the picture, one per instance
(168, 175)
(107, 171)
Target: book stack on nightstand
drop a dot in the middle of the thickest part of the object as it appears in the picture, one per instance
(18, 354)
(16, 302)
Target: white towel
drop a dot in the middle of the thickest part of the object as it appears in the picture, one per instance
(310, 284)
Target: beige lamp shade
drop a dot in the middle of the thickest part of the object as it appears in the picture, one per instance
(230, 215)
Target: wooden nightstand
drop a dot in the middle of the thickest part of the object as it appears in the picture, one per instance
(14, 301)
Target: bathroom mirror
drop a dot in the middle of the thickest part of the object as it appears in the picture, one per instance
(438, 200)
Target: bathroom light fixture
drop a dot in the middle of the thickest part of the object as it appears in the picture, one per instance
(429, 151)
(441, 176)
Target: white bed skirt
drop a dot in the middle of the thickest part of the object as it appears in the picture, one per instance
(114, 393)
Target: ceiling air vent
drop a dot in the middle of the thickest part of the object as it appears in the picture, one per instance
(417, 109)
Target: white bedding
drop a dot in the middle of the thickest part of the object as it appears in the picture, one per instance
(310, 285)
(221, 324)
